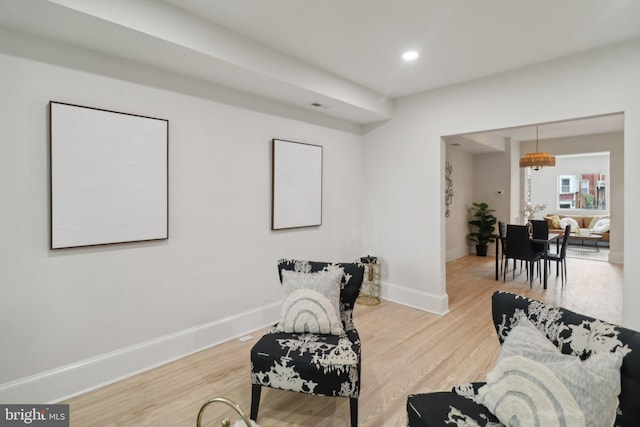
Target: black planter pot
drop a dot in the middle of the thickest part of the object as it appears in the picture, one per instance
(481, 250)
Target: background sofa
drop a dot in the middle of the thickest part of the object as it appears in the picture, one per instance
(584, 221)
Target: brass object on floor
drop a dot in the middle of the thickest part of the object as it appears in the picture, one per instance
(226, 422)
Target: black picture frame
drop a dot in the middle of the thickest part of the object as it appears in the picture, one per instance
(109, 177)
(296, 185)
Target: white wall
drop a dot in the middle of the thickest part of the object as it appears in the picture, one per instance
(456, 224)
(410, 152)
(491, 175)
(73, 319)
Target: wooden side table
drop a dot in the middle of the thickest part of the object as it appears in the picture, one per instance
(371, 285)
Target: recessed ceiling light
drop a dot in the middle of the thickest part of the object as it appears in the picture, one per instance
(410, 55)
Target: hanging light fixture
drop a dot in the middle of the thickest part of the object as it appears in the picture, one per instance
(538, 159)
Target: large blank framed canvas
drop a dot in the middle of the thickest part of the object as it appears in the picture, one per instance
(296, 185)
(108, 176)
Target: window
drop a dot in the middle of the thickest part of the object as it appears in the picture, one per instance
(585, 186)
(583, 191)
(565, 185)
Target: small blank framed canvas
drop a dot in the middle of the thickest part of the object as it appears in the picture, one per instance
(296, 185)
(108, 177)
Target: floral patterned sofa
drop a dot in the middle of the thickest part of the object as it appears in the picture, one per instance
(585, 343)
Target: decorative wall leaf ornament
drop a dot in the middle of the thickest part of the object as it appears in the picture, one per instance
(448, 192)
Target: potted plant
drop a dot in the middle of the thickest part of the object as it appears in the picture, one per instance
(482, 226)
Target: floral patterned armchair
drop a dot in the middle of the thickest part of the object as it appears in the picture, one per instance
(568, 333)
(313, 363)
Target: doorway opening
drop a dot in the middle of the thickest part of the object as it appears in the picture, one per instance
(485, 168)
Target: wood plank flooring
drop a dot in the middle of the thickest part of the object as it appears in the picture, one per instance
(404, 351)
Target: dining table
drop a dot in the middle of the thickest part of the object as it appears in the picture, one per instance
(551, 237)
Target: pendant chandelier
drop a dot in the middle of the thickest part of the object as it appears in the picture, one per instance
(538, 159)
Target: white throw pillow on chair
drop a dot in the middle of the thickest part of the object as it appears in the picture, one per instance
(311, 303)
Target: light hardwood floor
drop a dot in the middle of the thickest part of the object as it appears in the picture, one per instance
(404, 351)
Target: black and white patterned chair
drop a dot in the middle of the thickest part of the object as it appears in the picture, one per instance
(318, 364)
(572, 333)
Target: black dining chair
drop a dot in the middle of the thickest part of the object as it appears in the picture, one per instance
(560, 258)
(502, 237)
(540, 230)
(518, 247)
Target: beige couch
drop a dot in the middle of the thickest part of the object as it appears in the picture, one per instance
(583, 222)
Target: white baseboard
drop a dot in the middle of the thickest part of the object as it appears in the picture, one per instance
(62, 383)
(67, 381)
(456, 253)
(616, 257)
(437, 304)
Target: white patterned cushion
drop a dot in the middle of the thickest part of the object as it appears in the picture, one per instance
(597, 218)
(533, 383)
(311, 303)
(569, 221)
(602, 226)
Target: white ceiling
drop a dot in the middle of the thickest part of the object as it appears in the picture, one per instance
(459, 40)
(343, 54)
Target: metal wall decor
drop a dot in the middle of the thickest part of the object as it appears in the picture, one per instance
(448, 192)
